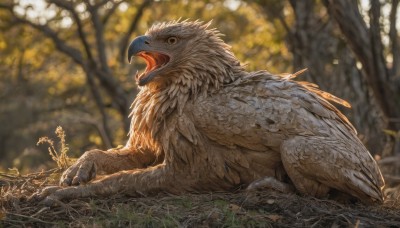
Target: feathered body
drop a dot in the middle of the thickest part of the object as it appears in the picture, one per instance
(205, 124)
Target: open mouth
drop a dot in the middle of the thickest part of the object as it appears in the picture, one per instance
(154, 61)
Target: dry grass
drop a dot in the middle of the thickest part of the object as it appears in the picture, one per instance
(59, 156)
(240, 209)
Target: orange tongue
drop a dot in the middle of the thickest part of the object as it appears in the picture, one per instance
(150, 61)
(153, 62)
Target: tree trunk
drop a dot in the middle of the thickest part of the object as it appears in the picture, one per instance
(315, 45)
(366, 44)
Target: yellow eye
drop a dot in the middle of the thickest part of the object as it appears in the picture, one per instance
(172, 40)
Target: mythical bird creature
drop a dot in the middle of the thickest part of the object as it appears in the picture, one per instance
(202, 123)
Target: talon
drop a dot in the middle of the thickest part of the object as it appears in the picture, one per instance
(76, 181)
(65, 181)
(81, 172)
(43, 193)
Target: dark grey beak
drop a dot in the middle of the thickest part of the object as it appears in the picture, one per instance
(139, 44)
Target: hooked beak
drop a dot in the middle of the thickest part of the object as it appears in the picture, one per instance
(155, 60)
(139, 44)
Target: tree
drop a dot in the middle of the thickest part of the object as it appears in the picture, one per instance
(367, 44)
(91, 52)
(347, 60)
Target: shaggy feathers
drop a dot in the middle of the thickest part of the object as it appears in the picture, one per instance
(203, 124)
(219, 111)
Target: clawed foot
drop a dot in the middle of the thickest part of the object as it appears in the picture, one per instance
(52, 196)
(46, 196)
(270, 183)
(82, 171)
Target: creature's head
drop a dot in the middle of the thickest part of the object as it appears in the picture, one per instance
(186, 53)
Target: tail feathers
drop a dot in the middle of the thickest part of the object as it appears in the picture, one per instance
(366, 189)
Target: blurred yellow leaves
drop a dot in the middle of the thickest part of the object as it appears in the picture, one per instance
(2, 44)
(95, 139)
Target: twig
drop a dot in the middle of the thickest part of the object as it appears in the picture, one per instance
(125, 39)
(111, 11)
(61, 45)
(40, 211)
(30, 218)
(70, 8)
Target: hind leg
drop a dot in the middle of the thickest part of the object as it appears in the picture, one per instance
(316, 164)
(301, 156)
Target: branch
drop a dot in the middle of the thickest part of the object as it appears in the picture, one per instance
(61, 45)
(356, 32)
(99, 33)
(99, 102)
(111, 12)
(70, 8)
(394, 40)
(99, 127)
(115, 90)
(105, 74)
(125, 39)
(105, 134)
(99, 4)
(106, 79)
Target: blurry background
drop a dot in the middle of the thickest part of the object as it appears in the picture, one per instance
(64, 63)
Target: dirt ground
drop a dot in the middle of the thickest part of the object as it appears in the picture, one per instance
(240, 209)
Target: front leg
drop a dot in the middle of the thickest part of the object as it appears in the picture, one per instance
(151, 180)
(108, 162)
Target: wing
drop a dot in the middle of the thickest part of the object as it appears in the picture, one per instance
(261, 110)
